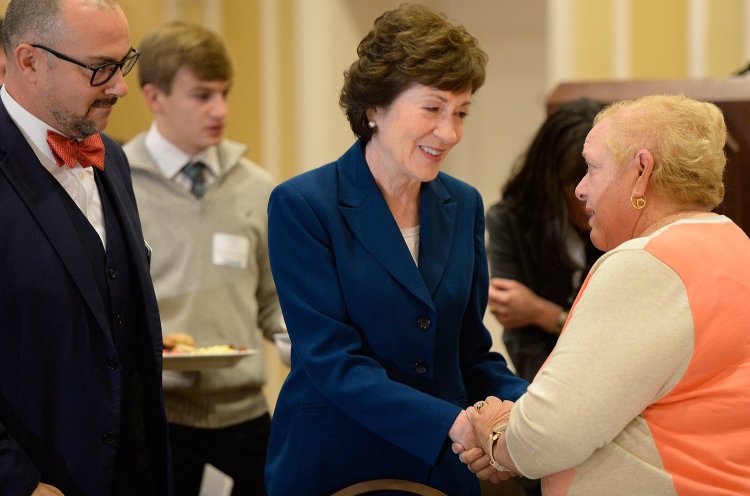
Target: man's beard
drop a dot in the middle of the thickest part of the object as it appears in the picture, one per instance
(78, 126)
(74, 126)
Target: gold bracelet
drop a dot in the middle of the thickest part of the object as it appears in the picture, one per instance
(497, 431)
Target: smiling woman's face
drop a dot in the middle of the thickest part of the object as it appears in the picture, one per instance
(414, 134)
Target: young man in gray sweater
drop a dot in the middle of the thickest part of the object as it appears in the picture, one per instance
(203, 209)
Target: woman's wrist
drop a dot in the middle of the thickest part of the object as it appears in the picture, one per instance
(490, 419)
(497, 432)
(550, 315)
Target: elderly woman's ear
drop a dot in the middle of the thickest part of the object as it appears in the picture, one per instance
(644, 162)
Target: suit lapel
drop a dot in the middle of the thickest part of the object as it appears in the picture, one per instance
(130, 223)
(37, 190)
(367, 215)
(116, 180)
(437, 220)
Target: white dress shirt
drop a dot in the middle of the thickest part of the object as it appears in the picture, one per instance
(170, 159)
(78, 182)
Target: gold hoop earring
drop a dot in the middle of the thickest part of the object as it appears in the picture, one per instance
(638, 203)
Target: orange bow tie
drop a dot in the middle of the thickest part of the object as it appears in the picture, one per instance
(87, 152)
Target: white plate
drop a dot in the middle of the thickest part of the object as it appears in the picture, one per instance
(200, 361)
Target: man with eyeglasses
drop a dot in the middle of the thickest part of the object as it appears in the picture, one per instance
(81, 409)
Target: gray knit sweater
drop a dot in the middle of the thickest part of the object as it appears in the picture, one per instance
(215, 302)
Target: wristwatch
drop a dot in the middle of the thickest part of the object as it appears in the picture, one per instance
(497, 431)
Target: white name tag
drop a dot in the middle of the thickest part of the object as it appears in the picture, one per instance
(230, 250)
(215, 482)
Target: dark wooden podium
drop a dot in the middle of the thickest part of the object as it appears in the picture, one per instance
(731, 95)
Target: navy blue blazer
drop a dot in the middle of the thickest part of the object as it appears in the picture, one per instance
(59, 390)
(385, 354)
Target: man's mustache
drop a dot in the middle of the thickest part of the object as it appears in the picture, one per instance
(105, 102)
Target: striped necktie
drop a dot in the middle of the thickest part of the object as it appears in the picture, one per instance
(196, 172)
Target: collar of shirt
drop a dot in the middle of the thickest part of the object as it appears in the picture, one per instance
(170, 159)
(32, 128)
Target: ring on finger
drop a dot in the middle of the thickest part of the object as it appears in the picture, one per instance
(478, 405)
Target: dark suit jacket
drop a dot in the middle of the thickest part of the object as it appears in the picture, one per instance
(514, 254)
(384, 354)
(59, 393)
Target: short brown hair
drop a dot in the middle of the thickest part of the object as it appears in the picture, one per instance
(407, 45)
(179, 44)
(686, 137)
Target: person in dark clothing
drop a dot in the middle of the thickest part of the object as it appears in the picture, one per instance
(81, 405)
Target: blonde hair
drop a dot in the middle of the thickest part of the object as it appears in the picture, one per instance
(686, 138)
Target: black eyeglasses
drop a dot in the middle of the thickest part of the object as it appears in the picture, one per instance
(102, 72)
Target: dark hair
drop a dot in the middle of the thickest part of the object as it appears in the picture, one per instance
(407, 45)
(180, 44)
(552, 162)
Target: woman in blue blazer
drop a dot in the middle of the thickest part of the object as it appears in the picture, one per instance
(380, 267)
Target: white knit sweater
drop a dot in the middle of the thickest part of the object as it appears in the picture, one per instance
(214, 301)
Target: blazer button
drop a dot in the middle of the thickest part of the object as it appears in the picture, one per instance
(421, 367)
(112, 364)
(112, 273)
(423, 323)
(109, 438)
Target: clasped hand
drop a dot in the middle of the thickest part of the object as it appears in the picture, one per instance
(471, 437)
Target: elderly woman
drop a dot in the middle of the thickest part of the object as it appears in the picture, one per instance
(380, 267)
(646, 391)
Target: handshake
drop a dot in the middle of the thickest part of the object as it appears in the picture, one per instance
(478, 439)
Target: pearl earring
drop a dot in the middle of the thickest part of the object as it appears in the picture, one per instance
(372, 124)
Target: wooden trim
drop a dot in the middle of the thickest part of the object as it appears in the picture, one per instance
(389, 484)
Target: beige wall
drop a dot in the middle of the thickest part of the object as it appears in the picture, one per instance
(661, 37)
(290, 56)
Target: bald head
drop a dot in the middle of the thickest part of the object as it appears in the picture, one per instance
(52, 46)
(39, 21)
